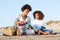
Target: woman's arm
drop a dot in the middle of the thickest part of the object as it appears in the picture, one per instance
(16, 20)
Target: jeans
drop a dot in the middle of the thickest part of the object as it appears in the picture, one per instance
(42, 28)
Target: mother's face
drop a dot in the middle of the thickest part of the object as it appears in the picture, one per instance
(26, 11)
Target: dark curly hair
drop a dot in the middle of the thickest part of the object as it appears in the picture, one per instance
(26, 6)
(41, 15)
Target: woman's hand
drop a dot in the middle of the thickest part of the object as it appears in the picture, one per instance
(19, 22)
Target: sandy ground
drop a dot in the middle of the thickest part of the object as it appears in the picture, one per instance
(31, 37)
(34, 37)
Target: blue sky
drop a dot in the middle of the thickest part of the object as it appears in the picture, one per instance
(9, 9)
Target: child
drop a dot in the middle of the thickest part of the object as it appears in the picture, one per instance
(39, 25)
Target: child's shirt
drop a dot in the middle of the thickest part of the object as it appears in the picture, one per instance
(37, 24)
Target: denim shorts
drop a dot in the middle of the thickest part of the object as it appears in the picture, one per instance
(47, 30)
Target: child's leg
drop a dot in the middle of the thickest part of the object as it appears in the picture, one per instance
(40, 32)
(48, 31)
(45, 33)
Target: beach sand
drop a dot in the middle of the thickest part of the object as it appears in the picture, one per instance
(31, 37)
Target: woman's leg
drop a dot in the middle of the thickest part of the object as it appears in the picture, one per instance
(18, 32)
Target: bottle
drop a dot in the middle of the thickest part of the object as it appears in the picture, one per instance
(27, 25)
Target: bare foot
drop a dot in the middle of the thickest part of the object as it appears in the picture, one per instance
(45, 33)
(40, 32)
(18, 33)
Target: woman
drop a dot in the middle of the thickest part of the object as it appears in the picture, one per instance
(23, 19)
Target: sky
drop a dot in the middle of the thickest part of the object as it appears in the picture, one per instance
(9, 9)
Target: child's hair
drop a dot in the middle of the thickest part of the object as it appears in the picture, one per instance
(41, 15)
(26, 6)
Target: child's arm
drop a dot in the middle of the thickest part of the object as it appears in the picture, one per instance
(35, 27)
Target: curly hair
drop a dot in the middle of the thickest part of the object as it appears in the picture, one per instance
(41, 15)
(26, 6)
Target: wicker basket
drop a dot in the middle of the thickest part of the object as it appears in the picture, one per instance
(8, 31)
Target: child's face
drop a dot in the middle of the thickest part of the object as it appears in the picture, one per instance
(37, 16)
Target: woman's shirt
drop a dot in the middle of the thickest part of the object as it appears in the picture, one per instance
(20, 19)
